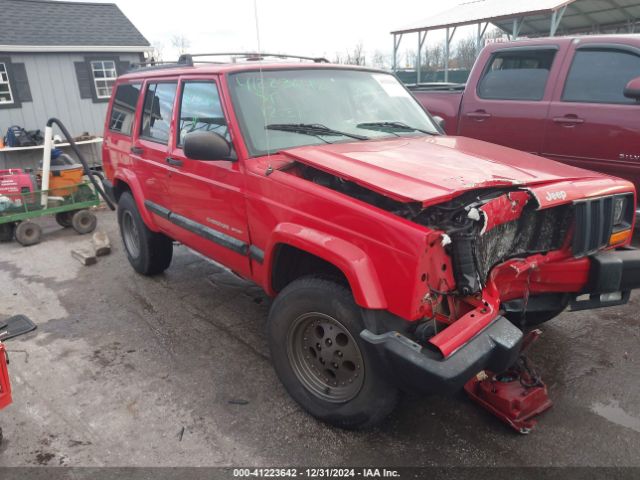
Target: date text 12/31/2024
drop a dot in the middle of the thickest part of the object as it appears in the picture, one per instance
(315, 473)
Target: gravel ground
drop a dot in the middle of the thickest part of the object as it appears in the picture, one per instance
(174, 370)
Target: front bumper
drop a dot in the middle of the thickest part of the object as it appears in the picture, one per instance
(612, 276)
(495, 348)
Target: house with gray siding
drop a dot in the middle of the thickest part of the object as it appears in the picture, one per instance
(60, 59)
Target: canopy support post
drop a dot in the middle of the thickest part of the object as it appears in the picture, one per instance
(556, 18)
(396, 44)
(517, 22)
(421, 39)
(447, 48)
(481, 31)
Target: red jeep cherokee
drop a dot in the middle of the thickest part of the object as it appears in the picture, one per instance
(397, 256)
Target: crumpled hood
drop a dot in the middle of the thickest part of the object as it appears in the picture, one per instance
(427, 168)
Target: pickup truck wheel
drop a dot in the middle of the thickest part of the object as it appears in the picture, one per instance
(313, 329)
(149, 253)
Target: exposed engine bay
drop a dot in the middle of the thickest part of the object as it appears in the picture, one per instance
(482, 228)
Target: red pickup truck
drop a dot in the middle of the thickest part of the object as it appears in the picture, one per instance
(574, 100)
(396, 256)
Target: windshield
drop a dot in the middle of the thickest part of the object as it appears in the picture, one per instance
(299, 107)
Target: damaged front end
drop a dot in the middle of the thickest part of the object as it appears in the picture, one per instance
(487, 228)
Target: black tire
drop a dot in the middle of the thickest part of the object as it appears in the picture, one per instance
(83, 222)
(149, 253)
(7, 231)
(28, 233)
(312, 301)
(64, 219)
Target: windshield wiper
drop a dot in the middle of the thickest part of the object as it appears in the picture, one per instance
(314, 129)
(392, 127)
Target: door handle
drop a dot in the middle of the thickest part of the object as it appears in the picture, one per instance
(137, 150)
(174, 161)
(479, 115)
(568, 120)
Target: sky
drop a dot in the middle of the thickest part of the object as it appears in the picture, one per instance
(313, 28)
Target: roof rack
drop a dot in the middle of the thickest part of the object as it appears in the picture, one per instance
(188, 58)
(157, 65)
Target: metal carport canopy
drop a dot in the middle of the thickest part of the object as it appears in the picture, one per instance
(527, 18)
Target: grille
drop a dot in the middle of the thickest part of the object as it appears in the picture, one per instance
(534, 232)
(594, 223)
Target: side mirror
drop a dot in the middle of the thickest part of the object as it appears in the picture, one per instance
(440, 122)
(632, 90)
(206, 146)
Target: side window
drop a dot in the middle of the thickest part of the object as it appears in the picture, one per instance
(600, 75)
(516, 75)
(124, 108)
(200, 109)
(157, 111)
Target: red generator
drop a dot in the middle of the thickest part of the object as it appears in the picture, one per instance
(15, 182)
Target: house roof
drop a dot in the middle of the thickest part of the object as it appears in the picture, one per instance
(66, 26)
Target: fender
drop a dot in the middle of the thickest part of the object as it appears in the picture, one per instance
(126, 176)
(350, 259)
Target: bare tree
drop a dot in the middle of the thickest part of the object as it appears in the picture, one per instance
(409, 58)
(466, 52)
(180, 43)
(157, 52)
(380, 60)
(434, 57)
(356, 56)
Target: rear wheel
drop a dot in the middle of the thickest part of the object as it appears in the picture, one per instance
(149, 253)
(64, 219)
(6, 231)
(83, 221)
(313, 328)
(28, 233)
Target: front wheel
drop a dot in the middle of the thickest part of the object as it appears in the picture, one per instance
(28, 233)
(149, 253)
(314, 336)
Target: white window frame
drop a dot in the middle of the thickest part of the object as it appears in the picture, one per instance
(4, 80)
(106, 78)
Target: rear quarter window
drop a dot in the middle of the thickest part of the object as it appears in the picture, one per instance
(123, 110)
(516, 75)
(600, 75)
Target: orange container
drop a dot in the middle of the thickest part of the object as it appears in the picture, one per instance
(64, 179)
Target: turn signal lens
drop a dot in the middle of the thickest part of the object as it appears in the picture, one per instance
(619, 237)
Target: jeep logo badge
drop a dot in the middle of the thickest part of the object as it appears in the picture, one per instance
(559, 195)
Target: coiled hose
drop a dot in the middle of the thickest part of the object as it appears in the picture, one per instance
(87, 170)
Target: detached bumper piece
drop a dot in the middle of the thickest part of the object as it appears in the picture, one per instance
(495, 348)
(612, 277)
(515, 396)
